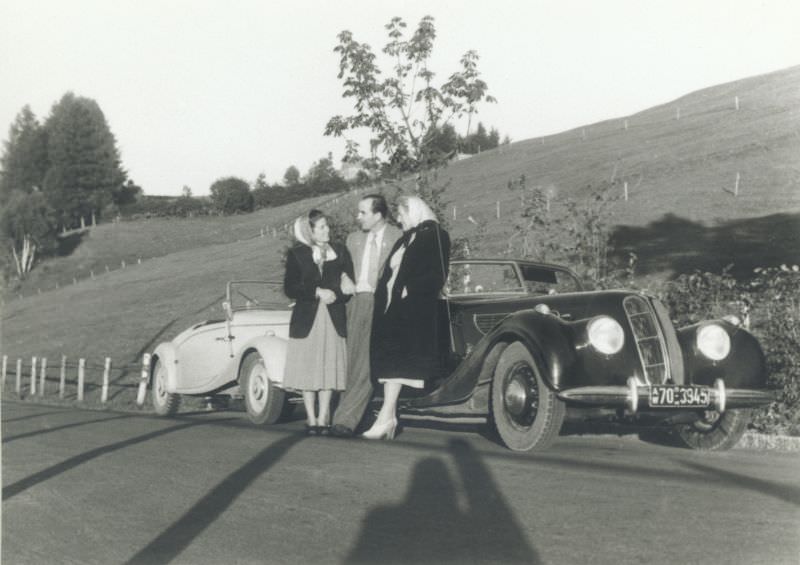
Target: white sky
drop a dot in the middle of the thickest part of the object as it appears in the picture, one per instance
(195, 90)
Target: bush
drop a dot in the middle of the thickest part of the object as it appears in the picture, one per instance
(232, 195)
(770, 305)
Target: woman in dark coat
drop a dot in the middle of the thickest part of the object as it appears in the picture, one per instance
(316, 357)
(405, 340)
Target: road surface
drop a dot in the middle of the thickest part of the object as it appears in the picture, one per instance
(110, 487)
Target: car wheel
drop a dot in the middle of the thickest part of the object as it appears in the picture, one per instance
(715, 431)
(526, 413)
(263, 400)
(164, 403)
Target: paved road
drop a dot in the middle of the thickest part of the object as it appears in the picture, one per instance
(103, 487)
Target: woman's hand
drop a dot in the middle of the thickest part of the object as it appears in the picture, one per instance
(326, 295)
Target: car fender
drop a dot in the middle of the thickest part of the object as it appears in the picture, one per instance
(744, 367)
(547, 337)
(272, 350)
(165, 352)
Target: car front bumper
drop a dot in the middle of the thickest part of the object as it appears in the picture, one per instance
(635, 395)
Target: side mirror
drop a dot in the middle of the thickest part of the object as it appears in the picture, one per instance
(226, 306)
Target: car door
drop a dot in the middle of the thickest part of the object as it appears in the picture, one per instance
(202, 358)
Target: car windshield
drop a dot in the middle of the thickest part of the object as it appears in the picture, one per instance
(503, 277)
(256, 295)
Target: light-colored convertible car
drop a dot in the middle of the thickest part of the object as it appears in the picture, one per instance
(242, 355)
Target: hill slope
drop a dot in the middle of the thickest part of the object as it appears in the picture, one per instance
(681, 213)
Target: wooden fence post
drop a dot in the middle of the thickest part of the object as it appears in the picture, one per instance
(81, 378)
(454, 212)
(63, 377)
(736, 101)
(106, 371)
(498, 209)
(32, 391)
(19, 375)
(140, 394)
(5, 366)
(626, 191)
(43, 376)
(736, 186)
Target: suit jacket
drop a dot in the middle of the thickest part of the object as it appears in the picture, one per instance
(301, 280)
(356, 241)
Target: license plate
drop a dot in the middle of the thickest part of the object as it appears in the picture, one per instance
(677, 396)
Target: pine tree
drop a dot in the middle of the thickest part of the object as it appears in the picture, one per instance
(84, 170)
(24, 159)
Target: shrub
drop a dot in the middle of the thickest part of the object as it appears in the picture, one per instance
(232, 195)
(770, 305)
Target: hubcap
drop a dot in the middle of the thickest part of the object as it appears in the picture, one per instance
(708, 421)
(521, 394)
(258, 387)
(161, 389)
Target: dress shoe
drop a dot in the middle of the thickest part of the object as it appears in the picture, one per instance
(381, 431)
(338, 430)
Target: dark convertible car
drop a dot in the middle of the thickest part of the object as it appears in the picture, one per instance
(527, 347)
(523, 346)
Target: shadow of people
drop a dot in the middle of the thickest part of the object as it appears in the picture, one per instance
(430, 526)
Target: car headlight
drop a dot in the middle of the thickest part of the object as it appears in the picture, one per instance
(606, 335)
(713, 342)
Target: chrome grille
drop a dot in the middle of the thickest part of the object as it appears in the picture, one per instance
(485, 322)
(649, 339)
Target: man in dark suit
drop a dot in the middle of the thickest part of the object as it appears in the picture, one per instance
(369, 249)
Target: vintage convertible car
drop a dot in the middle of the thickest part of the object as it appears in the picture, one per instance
(522, 347)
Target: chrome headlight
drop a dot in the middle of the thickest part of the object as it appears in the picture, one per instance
(713, 342)
(606, 335)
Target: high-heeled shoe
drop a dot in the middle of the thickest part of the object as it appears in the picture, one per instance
(381, 431)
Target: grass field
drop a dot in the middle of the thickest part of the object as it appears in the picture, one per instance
(681, 214)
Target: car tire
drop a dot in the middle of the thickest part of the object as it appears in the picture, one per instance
(715, 432)
(526, 413)
(165, 403)
(263, 400)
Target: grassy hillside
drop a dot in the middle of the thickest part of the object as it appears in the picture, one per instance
(681, 214)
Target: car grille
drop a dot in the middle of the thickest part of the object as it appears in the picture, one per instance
(649, 339)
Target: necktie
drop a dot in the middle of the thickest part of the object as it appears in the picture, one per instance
(372, 271)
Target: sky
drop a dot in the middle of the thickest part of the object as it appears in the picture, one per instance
(197, 90)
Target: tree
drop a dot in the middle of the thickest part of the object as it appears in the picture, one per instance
(231, 195)
(28, 225)
(403, 109)
(126, 193)
(24, 160)
(262, 193)
(84, 173)
(441, 143)
(323, 177)
(292, 176)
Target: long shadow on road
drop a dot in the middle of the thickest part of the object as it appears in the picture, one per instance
(7, 439)
(172, 541)
(429, 526)
(23, 484)
(783, 493)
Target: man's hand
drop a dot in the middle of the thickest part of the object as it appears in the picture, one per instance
(347, 285)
